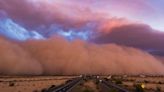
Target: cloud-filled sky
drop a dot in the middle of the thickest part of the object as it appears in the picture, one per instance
(136, 23)
(150, 12)
(66, 37)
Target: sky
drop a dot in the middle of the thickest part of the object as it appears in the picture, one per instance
(72, 37)
(149, 12)
(134, 23)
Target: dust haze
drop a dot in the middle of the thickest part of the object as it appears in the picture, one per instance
(57, 56)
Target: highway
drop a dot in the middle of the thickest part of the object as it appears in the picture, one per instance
(110, 85)
(67, 87)
(105, 85)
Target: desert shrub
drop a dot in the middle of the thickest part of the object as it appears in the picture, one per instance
(97, 82)
(68, 81)
(81, 84)
(131, 80)
(126, 85)
(88, 90)
(35, 91)
(113, 90)
(97, 87)
(52, 86)
(11, 84)
(158, 89)
(106, 79)
(146, 81)
(159, 82)
(118, 81)
(44, 90)
(85, 79)
(138, 88)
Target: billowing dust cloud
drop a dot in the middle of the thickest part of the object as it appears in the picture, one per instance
(14, 60)
(56, 56)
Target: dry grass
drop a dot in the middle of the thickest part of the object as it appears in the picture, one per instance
(30, 84)
(151, 83)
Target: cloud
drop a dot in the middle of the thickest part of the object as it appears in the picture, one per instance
(48, 19)
(135, 35)
(44, 13)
